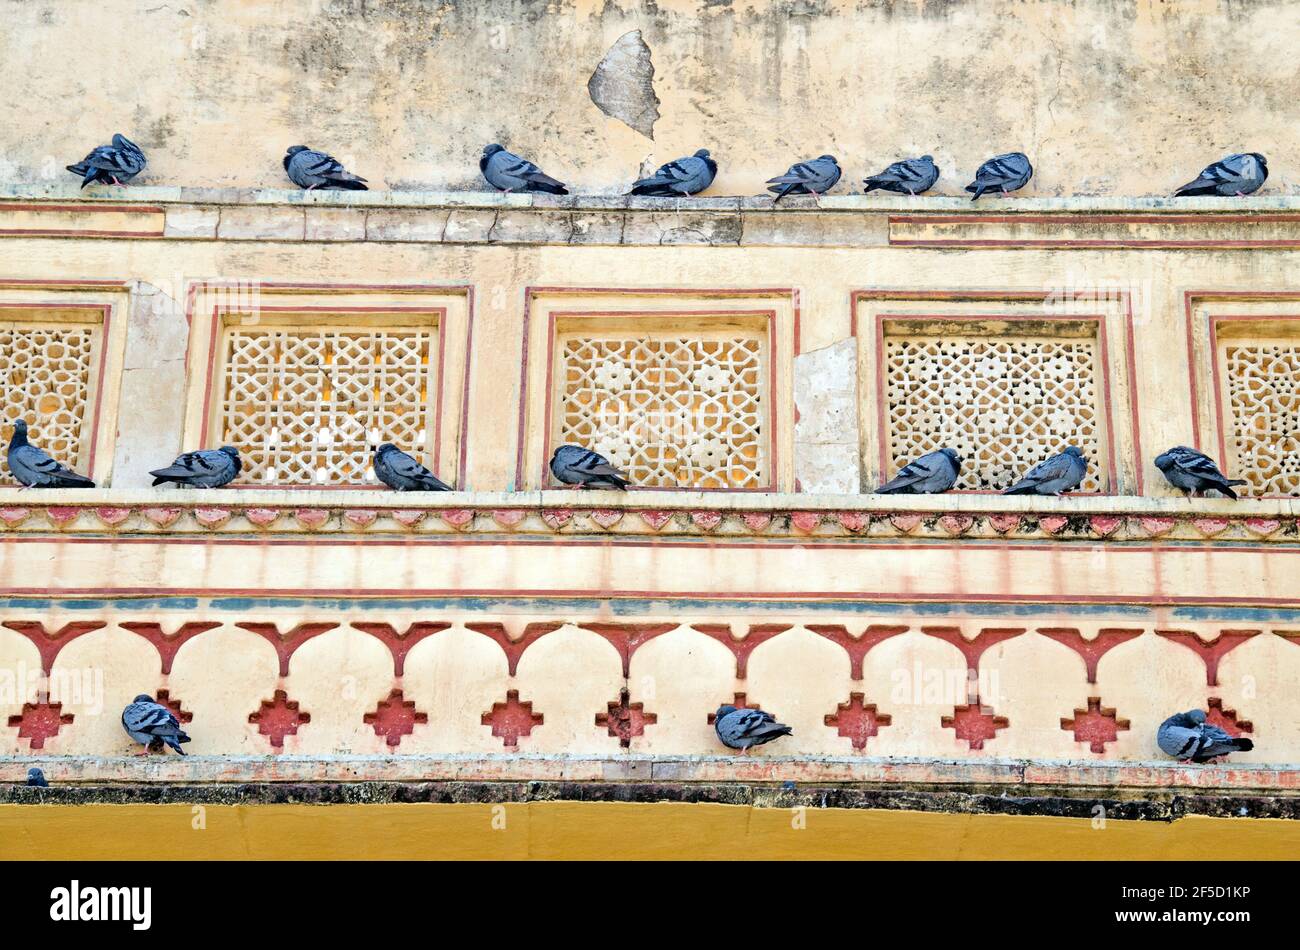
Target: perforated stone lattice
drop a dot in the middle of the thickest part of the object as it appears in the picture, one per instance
(1264, 415)
(45, 379)
(672, 411)
(306, 406)
(1004, 403)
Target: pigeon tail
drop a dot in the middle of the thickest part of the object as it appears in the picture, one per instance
(1243, 745)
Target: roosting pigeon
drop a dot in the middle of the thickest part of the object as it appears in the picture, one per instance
(1240, 174)
(683, 176)
(310, 169)
(35, 469)
(1055, 475)
(929, 475)
(114, 164)
(206, 468)
(401, 472)
(807, 178)
(152, 725)
(1188, 736)
(911, 176)
(574, 465)
(743, 728)
(1005, 173)
(36, 778)
(506, 171)
(1195, 473)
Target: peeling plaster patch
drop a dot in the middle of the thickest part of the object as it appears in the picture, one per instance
(623, 84)
(826, 443)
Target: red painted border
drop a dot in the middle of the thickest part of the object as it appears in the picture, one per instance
(86, 232)
(857, 296)
(281, 287)
(1131, 242)
(724, 293)
(105, 323)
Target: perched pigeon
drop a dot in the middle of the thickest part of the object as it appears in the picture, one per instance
(1194, 473)
(743, 728)
(1240, 174)
(1009, 172)
(206, 468)
(1060, 473)
(1188, 736)
(506, 171)
(911, 176)
(114, 164)
(807, 178)
(310, 169)
(401, 472)
(35, 469)
(684, 176)
(36, 778)
(574, 465)
(929, 475)
(152, 725)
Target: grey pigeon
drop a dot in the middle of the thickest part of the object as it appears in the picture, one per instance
(683, 176)
(311, 169)
(807, 178)
(1195, 473)
(506, 171)
(152, 725)
(574, 465)
(744, 728)
(35, 469)
(114, 164)
(1188, 736)
(1005, 173)
(401, 472)
(911, 176)
(1240, 174)
(36, 778)
(206, 468)
(1055, 475)
(931, 474)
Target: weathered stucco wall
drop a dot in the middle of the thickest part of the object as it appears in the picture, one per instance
(1106, 97)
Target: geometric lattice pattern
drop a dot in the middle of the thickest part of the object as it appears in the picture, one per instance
(1264, 402)
(45, 377)
(671, 411)
(1003, 403)
(305, 405)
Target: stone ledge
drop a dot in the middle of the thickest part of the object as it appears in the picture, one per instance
(1093, 518)
(1028, 775)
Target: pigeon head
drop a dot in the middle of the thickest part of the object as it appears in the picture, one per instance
(143, 698)
(20, 431)
(35, 773)
(927, 158)
(295, 149)
(121, 141)
(1263, 163)
(231, 451)
(1196, 715)
(492, 149)
(702, 153)
(384, 449)
(827, 158)
(1165, 459)
(1073, 450)
(724, 710)
(954, 457)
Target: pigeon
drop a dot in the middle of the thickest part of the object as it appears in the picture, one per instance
(311, 169)
(114, 164)
(1241, 174)
(35, 469)
(206, 468)
(911, 176)
(506, 171)
(931, 474)
(1009, 172)
(401, 472)
(1194, 473)
(743, 728)
(153, 725)
(683, 176)
(1188, 736)
(1055, 475)
(36, 778)
(574, 465)
(807, 178)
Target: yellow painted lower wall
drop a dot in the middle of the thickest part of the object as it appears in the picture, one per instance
(606, 831)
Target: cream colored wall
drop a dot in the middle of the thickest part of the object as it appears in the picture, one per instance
(1106, 98)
